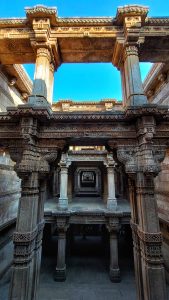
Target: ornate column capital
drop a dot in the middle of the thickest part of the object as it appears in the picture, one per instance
(43, 52)
(62, 226)
(65, 162)
(130, 49)
(113, 225)
(128, 156)
(149, 155)
(110, 162)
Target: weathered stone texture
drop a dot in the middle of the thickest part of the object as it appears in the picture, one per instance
(38, 139)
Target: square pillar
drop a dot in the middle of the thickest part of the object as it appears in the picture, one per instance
(22, 283)
(64, 165)
(40, 91)
(111, 199)
(60, 272)
(114, 271)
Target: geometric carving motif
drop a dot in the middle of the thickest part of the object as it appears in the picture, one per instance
(153, 251)
(150, 237)
(24, 237)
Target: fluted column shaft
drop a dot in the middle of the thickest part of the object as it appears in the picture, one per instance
(131, 78)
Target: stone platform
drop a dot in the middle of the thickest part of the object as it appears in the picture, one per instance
(86, 206)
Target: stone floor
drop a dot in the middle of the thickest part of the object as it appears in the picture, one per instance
(87, 273)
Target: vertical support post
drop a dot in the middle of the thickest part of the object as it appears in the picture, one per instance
(105, 186)
(41, 78)
(63, 199)
(114, 271)
(131, 78)
(123, 83)
(22, 282)
(148, 230)
(136, 242)
(147, 237)
(38, 243)
(111, 200)
(50, 84)
(60, 272)
(55, 182)
(153, 273)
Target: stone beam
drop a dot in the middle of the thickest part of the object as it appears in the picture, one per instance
(83, 39)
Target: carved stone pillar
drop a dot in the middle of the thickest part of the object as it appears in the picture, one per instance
(22, 285)
(111, 200)
(50, 83)
(113, 228)
(136, 242)
(63, 199)
(140, 162)
(41, 78)
(56, 182)
(105, 187)
(148, 229)
(38, 242)
(150, 240)
(131, 78)
(60, 272)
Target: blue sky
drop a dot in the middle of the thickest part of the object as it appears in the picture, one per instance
(85, 81)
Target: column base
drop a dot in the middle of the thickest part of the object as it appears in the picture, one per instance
(35, 100)
(114, 275)
(60, 274)
(112, 204)
(137, 100)
(63, 204)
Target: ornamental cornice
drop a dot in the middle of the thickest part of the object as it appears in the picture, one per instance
(131, 11)
(89, 21)
(40, 9)
(104, 21)
(129, 114)
(157, 21)
(5, 22)
(42, 12)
